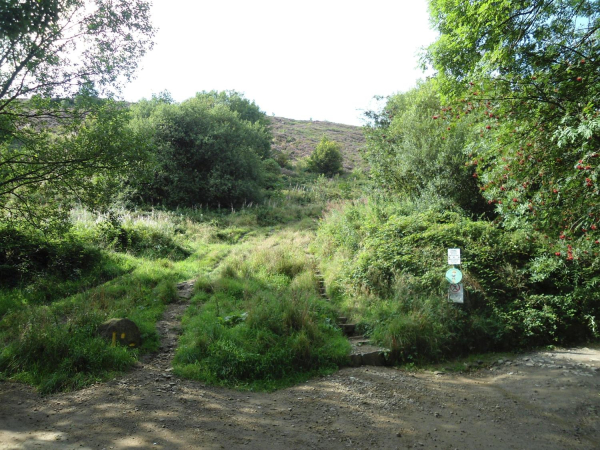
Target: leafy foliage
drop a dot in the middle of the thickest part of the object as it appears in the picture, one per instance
(39, 38)
(391, 259)
(44, 171)
(205, 153)
(326, 159)
(53, 150)
(529, 71)
(235, 101)
(412, 153)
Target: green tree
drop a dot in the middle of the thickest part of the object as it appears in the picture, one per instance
(53, 47)
(326, 158)
(411, 152)
(53, 151)
(528, 70)
(44, 170)
(235, 101)
(204, 152)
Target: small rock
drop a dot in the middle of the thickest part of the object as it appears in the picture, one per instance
(123, 331)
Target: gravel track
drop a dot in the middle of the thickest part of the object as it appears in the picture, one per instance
(540, 400)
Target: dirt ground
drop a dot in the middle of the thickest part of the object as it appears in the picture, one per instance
(542, 400)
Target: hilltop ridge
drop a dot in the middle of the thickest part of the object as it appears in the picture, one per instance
(298, 138)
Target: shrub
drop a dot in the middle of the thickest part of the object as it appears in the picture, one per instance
(205, 151)
(326, 158)
(518, 293)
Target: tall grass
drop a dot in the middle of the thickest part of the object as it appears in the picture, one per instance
(384, 263)
(49, 335)
(258, 322)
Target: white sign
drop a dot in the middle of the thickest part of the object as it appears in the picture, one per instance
(456, 293)
(454, 256)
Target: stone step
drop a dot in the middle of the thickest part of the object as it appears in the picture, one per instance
(374, 358)
(348, 328)
(358, 340)
(342, 319)
(364, 353)
(185, 289)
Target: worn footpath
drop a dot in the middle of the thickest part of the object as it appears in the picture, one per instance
(548, 400)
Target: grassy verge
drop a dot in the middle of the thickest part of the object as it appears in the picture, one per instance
(258, 322)
(50, 340)
(127, 264)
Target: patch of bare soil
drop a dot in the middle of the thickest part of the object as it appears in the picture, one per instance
(542, 400)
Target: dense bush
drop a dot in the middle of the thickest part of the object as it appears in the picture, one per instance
(206, 152)
(412, 153)
(326, 158)
(518, 293)
(24, 255)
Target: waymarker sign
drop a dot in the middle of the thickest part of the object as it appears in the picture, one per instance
(453, 256)
(453, 276)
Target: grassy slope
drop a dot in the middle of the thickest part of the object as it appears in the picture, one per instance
(254, 262)
(143, 255)
(298, 138)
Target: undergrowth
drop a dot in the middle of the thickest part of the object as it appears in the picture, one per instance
(258, 322)
(385, 262)
(57, 290)
(48, 333)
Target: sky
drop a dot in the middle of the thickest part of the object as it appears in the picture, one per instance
(319, 60)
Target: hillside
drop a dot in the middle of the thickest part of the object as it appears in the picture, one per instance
(298, 138)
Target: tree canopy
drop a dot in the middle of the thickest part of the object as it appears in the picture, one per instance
(53, 47)
(326, 158)
(529, 71)
(412, 153)
(205, 152)
(59, 140)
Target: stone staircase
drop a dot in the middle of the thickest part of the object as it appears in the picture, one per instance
(364, 352)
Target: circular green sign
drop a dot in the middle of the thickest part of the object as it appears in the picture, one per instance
(453, 276)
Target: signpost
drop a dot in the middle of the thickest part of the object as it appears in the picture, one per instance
(454, 277)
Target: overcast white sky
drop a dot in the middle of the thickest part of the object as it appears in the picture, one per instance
(323, 60)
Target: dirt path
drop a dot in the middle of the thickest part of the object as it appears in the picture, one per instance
(541, 400)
